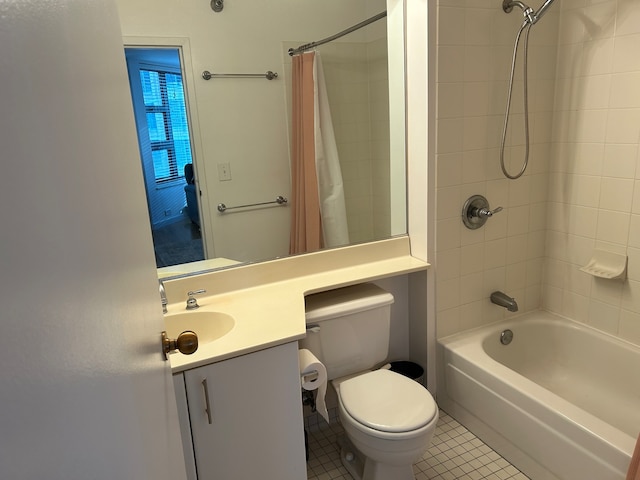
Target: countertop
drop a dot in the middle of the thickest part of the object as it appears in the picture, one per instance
(266, 300)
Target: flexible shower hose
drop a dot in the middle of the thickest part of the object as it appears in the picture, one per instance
(527, 26)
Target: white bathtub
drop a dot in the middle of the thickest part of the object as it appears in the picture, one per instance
(561, 401)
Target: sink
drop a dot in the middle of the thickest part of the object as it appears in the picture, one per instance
(209, 326)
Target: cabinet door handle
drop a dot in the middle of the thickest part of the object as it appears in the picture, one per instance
(206, 401)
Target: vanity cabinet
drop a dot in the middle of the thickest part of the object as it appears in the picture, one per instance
(245, 417)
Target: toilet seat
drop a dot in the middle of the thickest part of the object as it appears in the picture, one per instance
(387, 402)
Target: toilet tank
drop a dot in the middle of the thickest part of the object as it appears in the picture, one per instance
(348, 328)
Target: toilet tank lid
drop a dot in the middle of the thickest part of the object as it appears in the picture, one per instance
(345, 301)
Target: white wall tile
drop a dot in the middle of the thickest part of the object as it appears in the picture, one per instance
(451, 21)
(471, 315)
(471, 288)
(448, 202)
(518, 220)
(620, 160)
(516, 275)
(624, 90)
(633, 265)
(630, 326)
(613, 226)
(448, 264)
(583, 221)
(598, 57)
(623, 126)
(616, 194)
(634, 231)
(448, 322)
(471, 259)
(625, 55)
(607, 291)
(575, 306)
(448, 234)
(495, 253)
(631, 296)
(495, 279)
(450, 100)
(447, 294)
(604, 316)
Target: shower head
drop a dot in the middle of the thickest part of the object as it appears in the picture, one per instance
(542, 9)
(530, 15)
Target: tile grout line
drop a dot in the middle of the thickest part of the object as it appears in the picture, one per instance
(454, 454)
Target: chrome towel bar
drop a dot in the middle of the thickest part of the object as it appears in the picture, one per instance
(207, 75)
(280, 200)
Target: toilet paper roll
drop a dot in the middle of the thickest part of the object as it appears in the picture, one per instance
(313, 376)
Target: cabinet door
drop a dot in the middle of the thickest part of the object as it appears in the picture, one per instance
(254, 427)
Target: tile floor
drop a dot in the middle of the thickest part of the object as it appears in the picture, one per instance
(455, 454)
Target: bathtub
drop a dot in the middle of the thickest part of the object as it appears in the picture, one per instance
(561, 401)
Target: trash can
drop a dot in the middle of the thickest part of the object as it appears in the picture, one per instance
(408, 369)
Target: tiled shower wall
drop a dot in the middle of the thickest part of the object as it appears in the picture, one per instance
(594, 188)
(582, 189)
(475, 41)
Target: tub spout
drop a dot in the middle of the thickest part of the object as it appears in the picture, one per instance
(505, 301)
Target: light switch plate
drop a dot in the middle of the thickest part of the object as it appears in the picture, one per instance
(224, 172)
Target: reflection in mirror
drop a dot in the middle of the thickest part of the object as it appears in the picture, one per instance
(157, 94)
(241, 127)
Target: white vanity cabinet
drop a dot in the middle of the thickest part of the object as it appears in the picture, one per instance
(245, 417)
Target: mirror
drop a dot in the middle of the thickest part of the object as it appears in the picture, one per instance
(241, 127)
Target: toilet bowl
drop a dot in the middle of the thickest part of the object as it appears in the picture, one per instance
(389, 421)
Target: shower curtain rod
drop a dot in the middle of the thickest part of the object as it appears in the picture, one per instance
(308, 46)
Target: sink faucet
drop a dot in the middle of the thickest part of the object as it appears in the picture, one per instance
(503, 300)
(192, 303)
(163, 297)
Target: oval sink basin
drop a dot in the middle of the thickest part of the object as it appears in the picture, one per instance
(209, 326)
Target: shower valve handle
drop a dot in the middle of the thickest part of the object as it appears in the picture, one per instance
(485, 212)
(476, 211)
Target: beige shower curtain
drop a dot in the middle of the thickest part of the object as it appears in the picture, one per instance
(306, 224)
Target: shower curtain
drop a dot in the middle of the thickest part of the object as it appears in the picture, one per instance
(319, 216)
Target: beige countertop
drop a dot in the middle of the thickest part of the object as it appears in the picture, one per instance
(266, 300)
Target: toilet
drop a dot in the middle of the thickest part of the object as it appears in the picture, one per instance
(388, 419)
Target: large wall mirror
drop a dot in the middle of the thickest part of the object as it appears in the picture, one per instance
(238, 130)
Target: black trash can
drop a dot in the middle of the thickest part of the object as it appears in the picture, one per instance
(408, 369)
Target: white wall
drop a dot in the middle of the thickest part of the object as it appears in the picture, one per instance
(243, 122)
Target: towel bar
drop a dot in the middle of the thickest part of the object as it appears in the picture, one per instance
(280, 200)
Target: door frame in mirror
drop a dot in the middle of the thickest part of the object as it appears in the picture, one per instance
(184, 51)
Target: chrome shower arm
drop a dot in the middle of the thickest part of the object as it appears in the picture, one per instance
(507, 5)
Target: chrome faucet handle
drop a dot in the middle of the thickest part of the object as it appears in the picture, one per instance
(163, 296)
(485, 212)
(192, 303)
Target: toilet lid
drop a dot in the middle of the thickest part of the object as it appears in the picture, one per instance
(387, 401)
